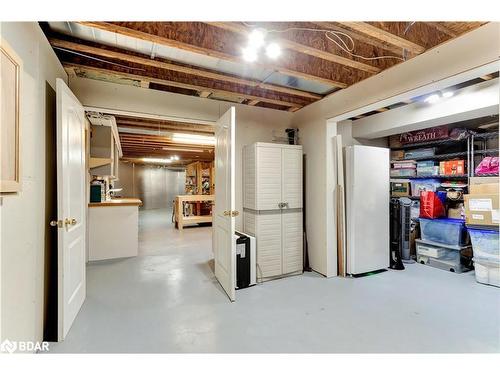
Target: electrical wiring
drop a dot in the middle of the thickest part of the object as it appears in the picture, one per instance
(330, 35)
(96, 58)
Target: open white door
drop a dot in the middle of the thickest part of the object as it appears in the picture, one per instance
(71, 208)
(224, 209)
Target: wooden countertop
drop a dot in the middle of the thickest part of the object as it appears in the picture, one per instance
(117, 202)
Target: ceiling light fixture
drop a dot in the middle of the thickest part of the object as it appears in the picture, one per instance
(193, 139)
(183, 149)
(432, 98)
(156, 160)
(257, 38)
(257, 41)
(273, 50)
(448, 94)
(249, 54)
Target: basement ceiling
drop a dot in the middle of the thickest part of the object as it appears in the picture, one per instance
(151, 138)
(205, 59)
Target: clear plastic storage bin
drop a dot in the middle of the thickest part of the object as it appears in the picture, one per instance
(487, 271)
(453, 258)
(485, 243)
(424, 184)
(444, 231)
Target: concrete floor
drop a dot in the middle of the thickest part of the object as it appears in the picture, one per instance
(168, 300)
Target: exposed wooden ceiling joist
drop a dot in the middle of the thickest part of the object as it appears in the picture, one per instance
(205, 94)
(385, 36)
(127, 121)
(253, 102)
(336, 26)
(140, 31)
(123, 56)
(438, 26)
(119, 74)
(302, 48)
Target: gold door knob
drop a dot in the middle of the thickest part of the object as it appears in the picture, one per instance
(234, 213)
(227, 213)
(73, 221)
(56, 223)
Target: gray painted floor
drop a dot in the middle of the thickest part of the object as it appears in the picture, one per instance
(167, 300)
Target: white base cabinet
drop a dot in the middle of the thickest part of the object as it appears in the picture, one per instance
(272, 207)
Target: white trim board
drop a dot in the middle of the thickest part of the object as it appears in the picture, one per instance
(423, 90)
(471, 102)
(148, 115)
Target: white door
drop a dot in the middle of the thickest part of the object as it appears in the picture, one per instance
(224, 209)
(71, 210)
(367, 193)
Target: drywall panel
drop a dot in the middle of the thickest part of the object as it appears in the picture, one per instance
(253, 124)
(472, 50)
(23, 224)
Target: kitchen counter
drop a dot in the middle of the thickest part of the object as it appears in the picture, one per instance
(117, 202)
(114, 228)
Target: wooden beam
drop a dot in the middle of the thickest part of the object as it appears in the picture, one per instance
(302, 48)
(253, 102)
(487, 77)
(293, 109)
(123, 125)
(205, 94)
(112, 54)
(443, 29)
(360, 37)
(176, 84)
(385, 36)
(205, 51)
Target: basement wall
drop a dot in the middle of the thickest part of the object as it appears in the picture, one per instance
(469, 51)
(253, 124)
(23, 225)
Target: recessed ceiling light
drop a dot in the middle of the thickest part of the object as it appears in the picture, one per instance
(249, 54)
(273, 50)
(256, 38)
(432, 98)
(448, 94)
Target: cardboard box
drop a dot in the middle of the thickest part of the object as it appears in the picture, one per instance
(397, 154)
(456, 212)
(400, 188)
(484, 185)
(482, 209)
(452, 167)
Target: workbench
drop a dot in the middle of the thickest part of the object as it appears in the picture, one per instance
(180, 220)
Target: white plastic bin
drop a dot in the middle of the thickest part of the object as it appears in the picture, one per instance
(487, 271)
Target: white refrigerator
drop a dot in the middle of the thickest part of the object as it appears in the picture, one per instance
(367, 209)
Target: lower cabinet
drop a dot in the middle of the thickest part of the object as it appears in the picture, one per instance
(278, 236)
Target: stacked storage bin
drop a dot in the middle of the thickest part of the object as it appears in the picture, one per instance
(482, 214)
(486, 255)
(444, 244)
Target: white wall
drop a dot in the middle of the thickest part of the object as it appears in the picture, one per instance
(472, 50)
(22, 215)
(252, 123)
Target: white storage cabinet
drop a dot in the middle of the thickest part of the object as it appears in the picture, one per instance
(272, 206)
